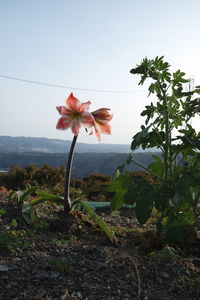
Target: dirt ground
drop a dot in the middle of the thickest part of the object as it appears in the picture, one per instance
(55, 259)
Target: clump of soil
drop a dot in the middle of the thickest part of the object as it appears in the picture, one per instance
(59, 259)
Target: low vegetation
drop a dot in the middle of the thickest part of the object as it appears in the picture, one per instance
(175, 192)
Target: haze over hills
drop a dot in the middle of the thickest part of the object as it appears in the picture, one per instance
(10, 144)
(88, 158)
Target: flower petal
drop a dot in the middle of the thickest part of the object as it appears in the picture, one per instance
(63, 110)
(102, 117)
(75, 128)
(105, 128)
(87, 119)
(84, 106)
(73, 103)
(63, 123)
(66, 111)
(102, 114)
(59, 108)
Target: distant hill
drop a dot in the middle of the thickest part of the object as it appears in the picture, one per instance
(84, 164)
(10, 144)
(88, 159)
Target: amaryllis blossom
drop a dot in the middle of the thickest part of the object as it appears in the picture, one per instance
(101, 119)
(74, 114)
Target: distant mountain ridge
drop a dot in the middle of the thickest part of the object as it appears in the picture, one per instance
(88, 158)
(84, 164)
(21, 144)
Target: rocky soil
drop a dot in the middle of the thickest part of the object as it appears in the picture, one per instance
(55, 259)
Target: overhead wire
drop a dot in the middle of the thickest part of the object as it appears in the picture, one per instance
(69, 87)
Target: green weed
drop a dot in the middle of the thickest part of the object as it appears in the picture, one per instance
(62, 265)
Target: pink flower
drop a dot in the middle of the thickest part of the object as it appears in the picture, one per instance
(101, 119)
(74, 114)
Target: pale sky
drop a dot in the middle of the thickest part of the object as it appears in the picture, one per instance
(89, 44)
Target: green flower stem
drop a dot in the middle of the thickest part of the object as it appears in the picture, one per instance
(167, 160)
(67, 201)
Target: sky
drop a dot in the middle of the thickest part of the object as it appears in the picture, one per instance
(88, 44)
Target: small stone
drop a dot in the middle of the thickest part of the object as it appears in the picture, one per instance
(55, 275)
(4, 268)
(159, 280)
(164, 275)
(66, 295)
(79, 295)
(41, 275)
(128, 276)
(83, 270)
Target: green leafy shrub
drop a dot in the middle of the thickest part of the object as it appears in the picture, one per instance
(175, 186)
(97, 180)
(94, 187)
(97, 187)
(46, 176)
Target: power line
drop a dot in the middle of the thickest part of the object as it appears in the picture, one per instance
(69, 87)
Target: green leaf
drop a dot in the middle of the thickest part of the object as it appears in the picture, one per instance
(180, 228)
(167, 254)
(28, 213)
(157, 166)
(182, 202)
(2, 211)
(116, 175)
(155, 139)
(139, 138)
(27, 194)
(45, 196)
(102, 225)
(21, 196)
(119, 187)
(58, 200)
(118, 200)
(162, 196)
(152, 89)
(144, 206)
(140, 192)
(15, 196)
(130, 196)
(14, 223)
